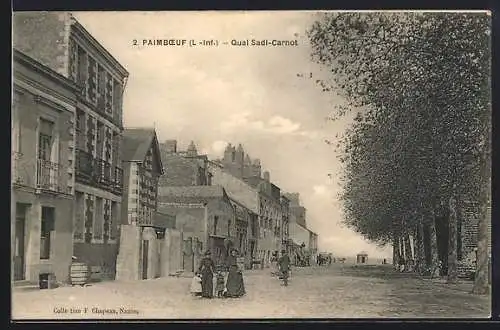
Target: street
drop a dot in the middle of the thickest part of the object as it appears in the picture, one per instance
(335, 292)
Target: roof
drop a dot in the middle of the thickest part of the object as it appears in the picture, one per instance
(362, 253)
(136, 143)
(164, 220)
(190, 193)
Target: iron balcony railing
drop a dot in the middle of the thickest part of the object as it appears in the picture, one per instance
(47, 176)
(98, 172)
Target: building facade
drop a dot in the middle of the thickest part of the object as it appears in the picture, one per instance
(239, 164)
(285, 224)
(270, 216)
(57, 40)
(142, 253)
(206, 218)
(43, 172)
(142, 168)
(249, 198)
(246, 232)
(185, 168)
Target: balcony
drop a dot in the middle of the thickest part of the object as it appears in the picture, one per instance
(98, 173)
(48, 176)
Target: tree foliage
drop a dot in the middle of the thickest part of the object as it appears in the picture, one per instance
(423, 136)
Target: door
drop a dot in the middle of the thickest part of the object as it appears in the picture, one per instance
(188, 255)
(19, 267)
(145, 250)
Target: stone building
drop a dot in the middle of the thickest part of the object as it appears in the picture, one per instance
(143, 168)
(270, 216)
(206, 218)
(246, 232)
(185, 168)
(296, 209)
(42, 172)
(246, 196)
(58, 41)
(144, 229)
(313, 244)
(239, 164)
(285, 224)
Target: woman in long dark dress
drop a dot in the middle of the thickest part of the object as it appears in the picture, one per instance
(234, 285)
(207, 269)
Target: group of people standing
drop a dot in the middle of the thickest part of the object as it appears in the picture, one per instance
(233, 287)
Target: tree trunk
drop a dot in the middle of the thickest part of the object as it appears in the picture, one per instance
(395, 251)
(415, 249)
(408, 253)
(481, 281)
(452, 241)
(420, 249)
(433, 246)
(402, 255)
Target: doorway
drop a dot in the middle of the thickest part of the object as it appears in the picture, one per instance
(19, 243)
(188, 255)
(145, 250)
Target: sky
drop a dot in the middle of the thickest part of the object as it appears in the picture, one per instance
(260, 97)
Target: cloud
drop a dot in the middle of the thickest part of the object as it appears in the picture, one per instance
(218, 147)
(321, 190)
(282, 125)
(275, 125)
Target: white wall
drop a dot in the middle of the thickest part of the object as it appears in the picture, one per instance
(299, 234)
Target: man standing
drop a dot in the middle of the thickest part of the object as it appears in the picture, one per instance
(284, 266)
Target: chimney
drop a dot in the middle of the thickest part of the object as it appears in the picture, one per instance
(171, 146)
(267, 176)
(191, 150)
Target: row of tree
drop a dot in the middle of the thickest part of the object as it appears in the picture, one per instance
(418, 150)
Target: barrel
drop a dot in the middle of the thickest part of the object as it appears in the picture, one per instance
(80, 273)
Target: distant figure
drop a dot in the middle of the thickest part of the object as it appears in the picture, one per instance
(274, 264)
(284, 266)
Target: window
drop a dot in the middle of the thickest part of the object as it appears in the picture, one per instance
(80, 129)
(47, 225)
(45, 139)
(92, 81)
(216, 220)
(82, 68)
(79, 216)
(100, 140)
(98, 218)
(101, 87)
(229, 228)
(109, 94)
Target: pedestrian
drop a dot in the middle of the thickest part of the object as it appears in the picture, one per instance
(219, 284)
(235, 287)
(274, 264)
(206, 270)
(196, 285)
(284, 266)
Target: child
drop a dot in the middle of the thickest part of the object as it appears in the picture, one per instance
(196, 285)
(219, 284)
